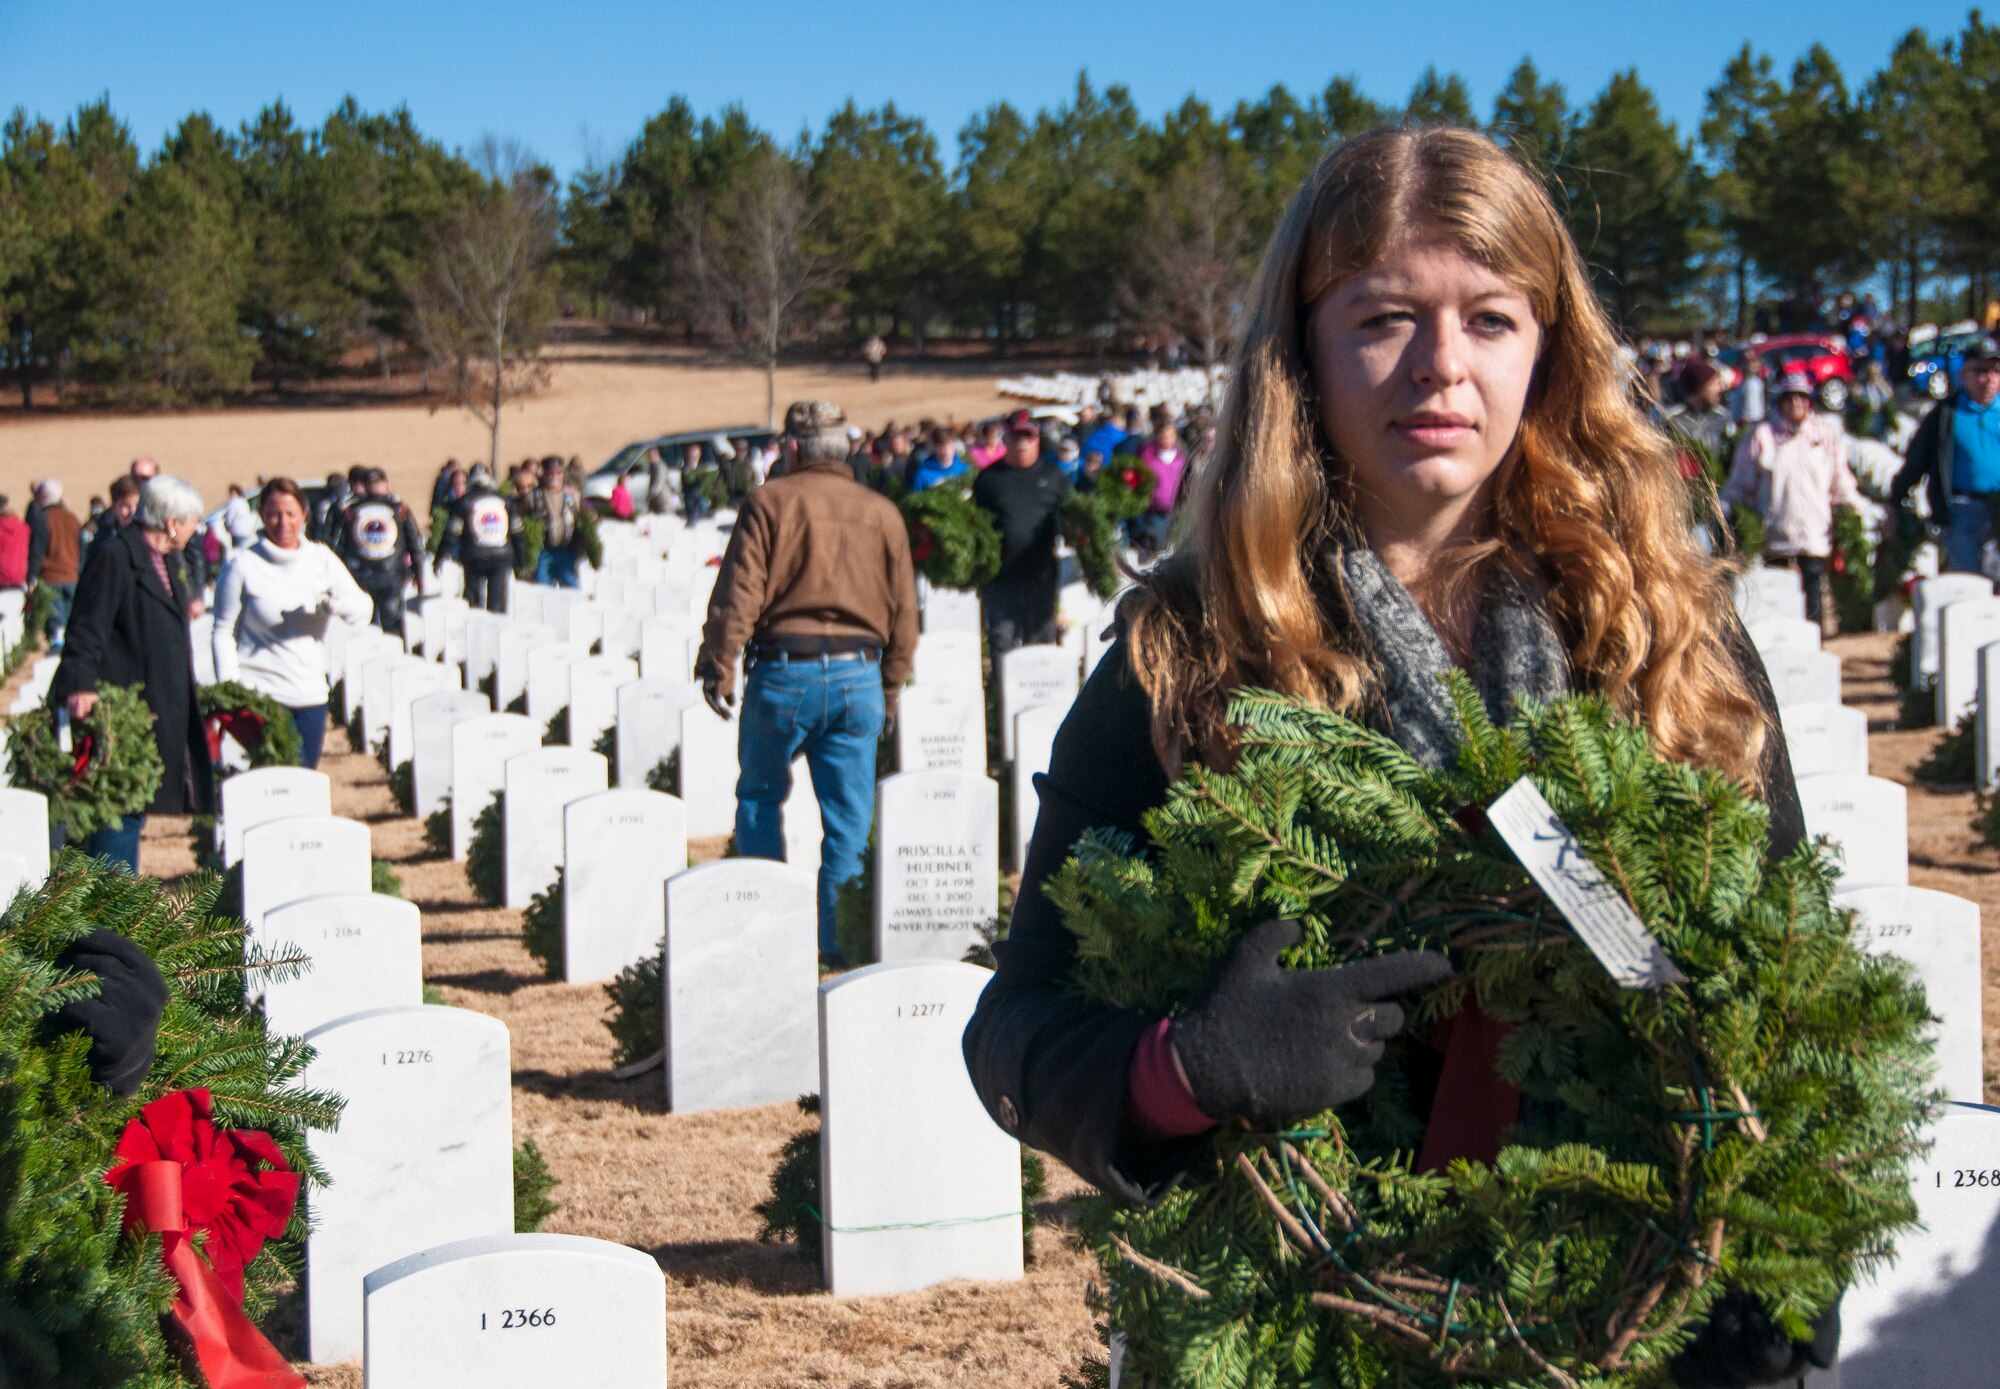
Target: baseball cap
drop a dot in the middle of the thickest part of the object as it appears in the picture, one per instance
(1021, 422)
(1986, 348)
(813, 417)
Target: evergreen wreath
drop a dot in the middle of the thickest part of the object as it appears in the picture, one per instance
(542, 929)
(112, 770)
(1091, 528)
(80, 1303)
(1851, 571)
(35, 615)
(1748, 1129)
(261, 726)
(953, 542)
(1125, 487)
(637, 1021)
(486, 852)
(437, 830)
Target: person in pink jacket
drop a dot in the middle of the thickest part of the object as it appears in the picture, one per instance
(1792, 469)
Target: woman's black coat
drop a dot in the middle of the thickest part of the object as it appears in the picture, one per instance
(1051, 1067)
(127, 628)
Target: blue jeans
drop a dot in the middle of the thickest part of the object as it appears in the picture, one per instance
(311, 724)
(832, 712)
(65, 595)
(120, 845)
(556, 567)
(1965, 534)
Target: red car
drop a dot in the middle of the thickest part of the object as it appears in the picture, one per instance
(1821, 356)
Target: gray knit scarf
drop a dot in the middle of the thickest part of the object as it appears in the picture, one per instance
(1516, 652)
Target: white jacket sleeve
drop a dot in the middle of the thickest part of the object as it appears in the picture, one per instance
(349, 602)
(228, 609)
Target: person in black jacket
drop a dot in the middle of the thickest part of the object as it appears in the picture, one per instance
(484, 535)
(1955, 457)
(383, 548)
(1427, 461)
(129, 626)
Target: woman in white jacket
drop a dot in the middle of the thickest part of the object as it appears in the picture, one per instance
(273, 605)
(1793, 469)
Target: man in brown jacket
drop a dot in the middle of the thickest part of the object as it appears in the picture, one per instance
(817, 594)
(62, 556)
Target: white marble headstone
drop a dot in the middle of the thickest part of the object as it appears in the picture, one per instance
(480, 749)
(1785, 634)
(1035, 731)
(1986, 724)
(1939, 935)
(805, 831)
(539, 784)
(740, 965)
(378, 682)
(1927, 600)
(948, 658)
(14, 879)
(941, 727)
(444, 627)
(1963, 628)
(919, 1186)
(525, 601)
(649, 725)
(1762, 593)
(407, 685)
(1926, 1318)
(510, 678)
(619, 847)
(482, 644)
(1822, 738)
(1031, 675)
(708, 771)
(518, 1312)
(263, 794)
(621, 634)
(593, 696)
(361, 648)
(24, 829)
(1867, 818)
(1803, 677)
(667, 647)
(950, 610)
(423, 1154)
(937, 863)
(432, 719)
(302, 856)
(366, 952)
(548, 678)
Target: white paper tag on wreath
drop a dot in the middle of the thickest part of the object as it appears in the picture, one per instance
(1601, 916)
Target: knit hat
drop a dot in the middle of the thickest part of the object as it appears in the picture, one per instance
(1696, 375)
(123, 1021)
(1793, 383)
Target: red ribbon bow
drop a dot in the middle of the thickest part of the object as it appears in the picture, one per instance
(184, 1177)
(84, 747)
(924, 543)
(246, 726)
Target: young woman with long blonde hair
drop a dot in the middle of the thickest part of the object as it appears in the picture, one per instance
(1428, 459)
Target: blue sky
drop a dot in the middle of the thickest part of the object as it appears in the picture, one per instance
(576, 80)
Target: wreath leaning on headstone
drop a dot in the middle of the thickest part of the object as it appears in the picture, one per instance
(1747, 1128)
(261, 726)
(111, 770)
(953, 542)
(84, 1296)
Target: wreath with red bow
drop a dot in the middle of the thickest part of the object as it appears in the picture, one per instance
(111, 768)
(953, 542)
(260, 725)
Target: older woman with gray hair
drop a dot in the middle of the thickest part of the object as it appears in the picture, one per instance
(129, 626)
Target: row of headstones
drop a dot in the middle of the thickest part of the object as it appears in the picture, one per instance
(1920, 1318)
(410, 1262)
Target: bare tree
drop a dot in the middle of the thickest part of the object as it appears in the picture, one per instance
(753, 264)
(1190, 263)
(483, 302)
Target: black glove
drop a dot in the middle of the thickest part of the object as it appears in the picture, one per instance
(1268, 1044)
(1739, 1347)
(124, 1019)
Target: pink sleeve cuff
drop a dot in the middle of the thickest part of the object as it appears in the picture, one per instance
(1158, 1104)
